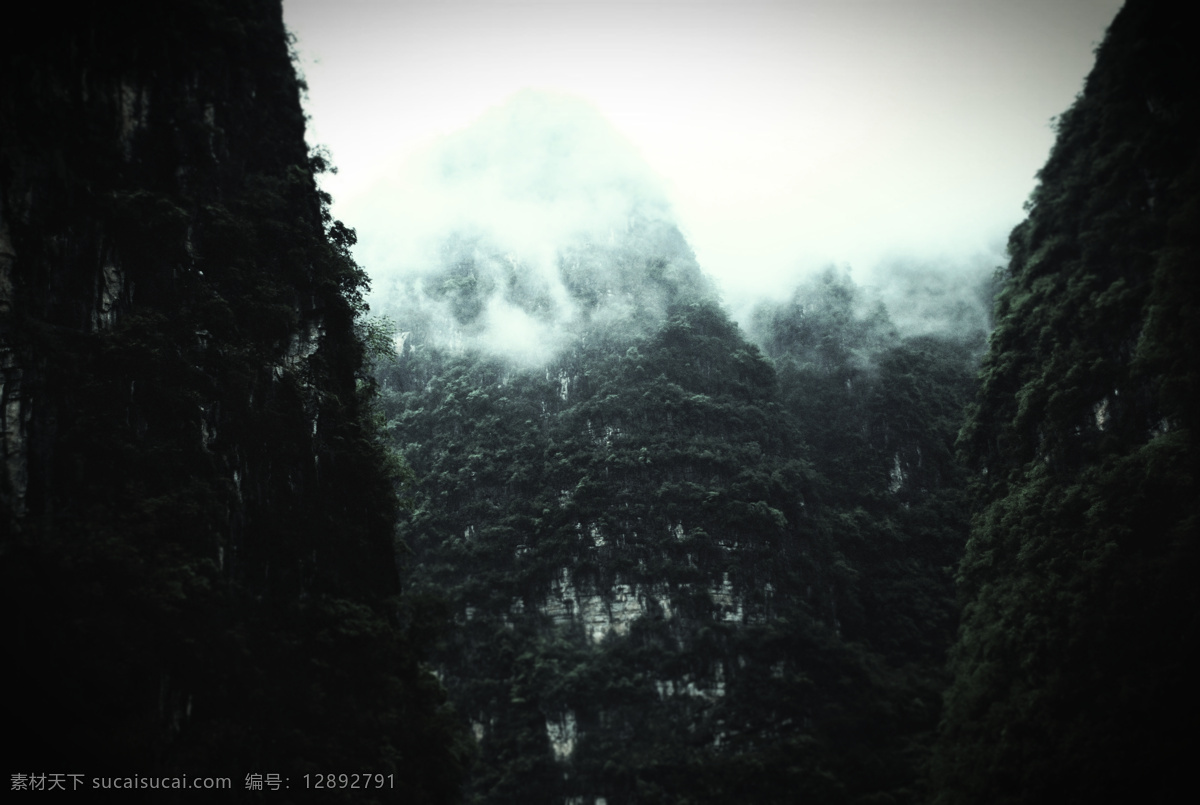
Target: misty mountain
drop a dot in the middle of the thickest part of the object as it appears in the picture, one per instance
(556, 526)
(670, 557)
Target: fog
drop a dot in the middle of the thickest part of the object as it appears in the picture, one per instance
(529, 176)
(508, 235)
(896, 140)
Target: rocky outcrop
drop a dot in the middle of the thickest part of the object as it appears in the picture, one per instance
(600, 612)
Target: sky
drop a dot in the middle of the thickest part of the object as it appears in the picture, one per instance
(787, 136)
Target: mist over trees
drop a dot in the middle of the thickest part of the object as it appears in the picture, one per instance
(525, 227)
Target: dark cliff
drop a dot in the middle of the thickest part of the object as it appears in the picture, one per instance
(197, 516)
(1071, 670)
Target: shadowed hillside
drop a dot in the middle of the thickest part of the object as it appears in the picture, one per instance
(1071, 669)
(197, 557)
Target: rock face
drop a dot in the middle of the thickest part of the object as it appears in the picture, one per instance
(196, 519)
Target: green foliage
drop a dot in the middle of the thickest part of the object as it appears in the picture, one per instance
(791, 613)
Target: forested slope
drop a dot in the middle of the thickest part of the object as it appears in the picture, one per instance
(678, 570)
(1072, 670)
(197, 516)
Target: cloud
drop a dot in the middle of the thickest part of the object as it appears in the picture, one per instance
(507, 235)
(539, 171)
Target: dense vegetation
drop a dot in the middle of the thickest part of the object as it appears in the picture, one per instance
(679, 573)
(197, 557)
(1071, 670)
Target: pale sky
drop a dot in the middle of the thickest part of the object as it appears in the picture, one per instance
(788, 135)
